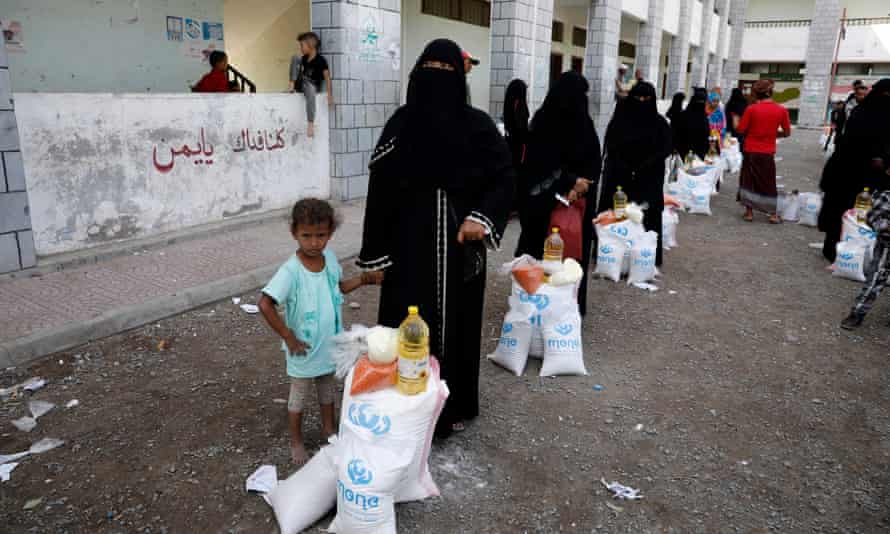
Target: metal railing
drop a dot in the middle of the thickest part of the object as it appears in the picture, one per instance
(789, 23)
(868, 21)
(244, 82)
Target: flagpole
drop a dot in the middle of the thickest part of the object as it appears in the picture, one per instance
(841, 34)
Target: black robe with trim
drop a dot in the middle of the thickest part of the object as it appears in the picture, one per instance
(410, 229)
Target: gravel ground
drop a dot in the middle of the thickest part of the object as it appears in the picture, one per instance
(730, 398)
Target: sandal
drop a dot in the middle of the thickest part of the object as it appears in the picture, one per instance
(775, 219)
(458, 427)
(748, 217)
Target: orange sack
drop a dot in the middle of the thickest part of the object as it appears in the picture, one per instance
(529, 277)
(372, 377)
(606, 218)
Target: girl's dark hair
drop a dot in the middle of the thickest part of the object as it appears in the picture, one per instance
(216, 56)
(313, 211)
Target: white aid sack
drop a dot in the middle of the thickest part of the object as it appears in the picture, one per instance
(563, 351)
(367, 478)
(850, 261)
(307, 495)
(609, 257)
(789, 207)
(642, 259)
(700, 199)
(852, 230)
(810, 206)
(669, 222)
(513, 345)
(628, 231)
(395, 421)
(676, 190)
(536, 347)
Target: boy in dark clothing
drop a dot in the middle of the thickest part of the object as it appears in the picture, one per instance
(879, 220)
(217, 80)
(308, 74)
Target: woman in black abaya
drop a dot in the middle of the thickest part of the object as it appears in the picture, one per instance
(440, 190)
(516, 119)
(562, 158)
(676, 106)
(638, 140)
(856, 162)
(691, 130)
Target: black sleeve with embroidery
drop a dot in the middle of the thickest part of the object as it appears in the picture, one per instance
(879, 216)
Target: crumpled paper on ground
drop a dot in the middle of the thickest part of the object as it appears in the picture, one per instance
(620, 491)
(263, 480)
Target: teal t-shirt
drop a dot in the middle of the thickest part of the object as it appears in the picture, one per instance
(312, 304)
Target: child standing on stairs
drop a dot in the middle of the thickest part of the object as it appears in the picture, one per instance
(309, 73)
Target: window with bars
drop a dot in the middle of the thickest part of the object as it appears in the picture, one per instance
(476, 12)
(558, 31)
(579, 36)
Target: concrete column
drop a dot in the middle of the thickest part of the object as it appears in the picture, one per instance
(679, 55)
(601, 59)
(16, 238)
(649, 43)
(737, 14)
(715, 69)
(820, 54)
(362, 43)
(520, 48)
(703, 52)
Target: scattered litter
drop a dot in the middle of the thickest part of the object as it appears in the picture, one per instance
(236, 300)
(614, 507)
(33, 503)
(162, 345)
(647, 286)
(622, 492)
(639, 427)
(279, 401)
(671, 292)
(25, 424)
(250, 308)
(745, 462)
(779, 177)
(33, 384)
(354, 306)
(40, 408)
(6, 471)
(263, 480)
(73, 403)
(597, 387)
(817, 246)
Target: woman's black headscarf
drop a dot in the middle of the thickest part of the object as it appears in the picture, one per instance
(516, 108)
(562, 130)
(434, 134)
(691, 128)
(676, 106)
(737, 103)
(636, 120)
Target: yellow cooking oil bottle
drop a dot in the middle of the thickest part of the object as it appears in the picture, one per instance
(414, 354)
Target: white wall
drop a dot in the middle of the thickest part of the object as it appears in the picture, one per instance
(759, 10)
(419, 29)
(261, 38)
(715, 30)
(695, 31)
(866, 44)
(772, 45)
(93, 176)
(671, 20)
(638, 9)
(727, 34)
(866, 8)
(570, 17)
(111, 45)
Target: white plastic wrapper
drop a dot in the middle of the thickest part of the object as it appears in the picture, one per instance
(850, 261)
(810, 206)
(669, 222)
(789, 207)
(383, 345)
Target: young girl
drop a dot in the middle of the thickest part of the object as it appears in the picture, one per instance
(310, 288)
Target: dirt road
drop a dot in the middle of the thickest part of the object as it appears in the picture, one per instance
(730, 398)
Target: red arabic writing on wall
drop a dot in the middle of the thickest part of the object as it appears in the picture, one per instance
(263, 141)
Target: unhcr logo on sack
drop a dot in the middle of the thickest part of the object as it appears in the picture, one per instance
(605, 255)
(365, 416)
(563, 329)
(618, 230)
(865, 232)
(540, 301)
(508, 327)
(358, 473)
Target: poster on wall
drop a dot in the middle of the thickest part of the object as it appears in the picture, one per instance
(174, 28)
(12, 33)
(213, 31)
(193, 29)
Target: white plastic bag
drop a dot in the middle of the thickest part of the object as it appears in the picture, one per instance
(789, 207)
(628, 231)
(513, 345)
(642, 259)
(850, 261)
(810, 206)
(852, 230)
(390, 419)
(669, 223)
(368, 476)
(307, 495)
(678, 191)
(610, 256)
(563, 350)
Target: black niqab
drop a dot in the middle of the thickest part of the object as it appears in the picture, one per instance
(691, 131)
(516, 108)
(676, 106)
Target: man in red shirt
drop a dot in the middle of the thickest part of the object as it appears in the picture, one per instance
(761, 124)
(217, 80)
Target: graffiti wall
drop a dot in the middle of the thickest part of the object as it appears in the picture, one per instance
(103, 167)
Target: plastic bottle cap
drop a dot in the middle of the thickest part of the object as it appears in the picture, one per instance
(413, 310)
(554, 230)
(866, 190)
